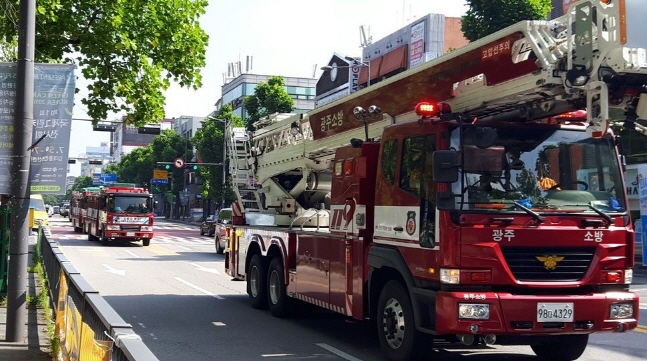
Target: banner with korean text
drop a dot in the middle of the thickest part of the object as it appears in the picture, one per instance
(53, 102)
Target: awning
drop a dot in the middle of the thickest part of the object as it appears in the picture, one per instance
(394, 60)
(375, 70)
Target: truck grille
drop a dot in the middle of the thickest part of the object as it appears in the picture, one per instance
(548, 264)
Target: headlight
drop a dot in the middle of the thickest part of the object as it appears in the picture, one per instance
(474, 311)
(113, 227)
(450, 275)
(147, 229)
(621, 310)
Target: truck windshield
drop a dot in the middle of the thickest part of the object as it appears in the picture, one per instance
(120, 204)
(538, 170)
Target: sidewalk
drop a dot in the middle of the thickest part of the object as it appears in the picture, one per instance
(35, 345)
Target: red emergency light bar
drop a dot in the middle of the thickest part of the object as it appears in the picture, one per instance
(431, 109)
(575, 115)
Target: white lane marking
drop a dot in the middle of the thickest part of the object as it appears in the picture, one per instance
(638, 290)
(643, 306)
(199, 288)
(119, 272)
(202, 268)
(131, 253)
(337, 352)
(183, 248)
(218, 323)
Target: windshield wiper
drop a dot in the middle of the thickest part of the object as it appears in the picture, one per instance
(536, 215)
(600, 212)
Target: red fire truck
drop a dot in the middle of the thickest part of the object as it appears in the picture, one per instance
(449, 201)
(120, 212)
(79, 207)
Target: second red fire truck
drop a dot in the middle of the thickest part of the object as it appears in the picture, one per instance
(474, 216)
(119, 212)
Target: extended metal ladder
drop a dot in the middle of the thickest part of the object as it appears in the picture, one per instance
(241, 169)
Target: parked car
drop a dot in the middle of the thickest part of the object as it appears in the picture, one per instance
(222, 230)
(208, 226)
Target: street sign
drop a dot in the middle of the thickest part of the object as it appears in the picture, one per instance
(179, 163)
(102, 179)
(160, 174)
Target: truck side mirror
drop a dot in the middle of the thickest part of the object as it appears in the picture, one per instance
(445, 166)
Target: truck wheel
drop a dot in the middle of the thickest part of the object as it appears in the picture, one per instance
(256, 278)
(277, 297)
(103, 239)
(146, 242)
(562, 348)
(201, 232)
(396, 327)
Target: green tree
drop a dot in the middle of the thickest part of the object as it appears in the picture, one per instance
(209, 145)
(79, 184)
(129, 51)
(136, 166)
(166, 148)
(485, 17)
(268, 98)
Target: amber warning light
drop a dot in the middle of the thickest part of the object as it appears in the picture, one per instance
(430, 109)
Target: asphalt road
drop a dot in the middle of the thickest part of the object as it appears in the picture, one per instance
(178, 298)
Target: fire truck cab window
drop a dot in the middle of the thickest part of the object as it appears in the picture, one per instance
(130, 204)
(389, 160)
(415, 170)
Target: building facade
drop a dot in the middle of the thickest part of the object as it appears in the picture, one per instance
(126, 138)
(301, 90)
(420, 41)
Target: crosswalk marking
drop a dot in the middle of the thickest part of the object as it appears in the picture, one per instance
(159, 239)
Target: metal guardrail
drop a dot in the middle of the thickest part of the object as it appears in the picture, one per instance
(104, 322)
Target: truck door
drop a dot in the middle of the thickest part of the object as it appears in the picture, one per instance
(341, 267)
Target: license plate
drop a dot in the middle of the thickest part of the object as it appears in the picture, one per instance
(555, 312)
(130, 234)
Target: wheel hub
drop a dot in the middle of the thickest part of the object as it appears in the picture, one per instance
(393, 323)
(274, 282)
(253, 281)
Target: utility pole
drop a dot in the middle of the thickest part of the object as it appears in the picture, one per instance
(23, 127)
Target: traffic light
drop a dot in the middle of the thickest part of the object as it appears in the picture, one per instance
(192, 167)
(167, 166)
(95, 162)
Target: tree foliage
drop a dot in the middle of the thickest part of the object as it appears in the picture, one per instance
(485, 17)
(268, 98)
(209, 141)
(137, 166)
(128, 50)
(79, 184)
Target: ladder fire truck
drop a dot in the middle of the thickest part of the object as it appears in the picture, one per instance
(449, 201)
(119, 212)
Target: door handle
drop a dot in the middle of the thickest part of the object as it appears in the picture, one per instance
(398, 229)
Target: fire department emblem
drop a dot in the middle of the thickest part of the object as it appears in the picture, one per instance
(411, 223)
(550, 262)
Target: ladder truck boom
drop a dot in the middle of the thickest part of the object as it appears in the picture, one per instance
(530, 70)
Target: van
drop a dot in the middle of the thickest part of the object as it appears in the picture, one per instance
(40, 213)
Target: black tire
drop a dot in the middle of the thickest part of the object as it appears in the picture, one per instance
(277, 298)
(399, 339)
(103, 239)
(219, 249)
(256, 278)
(146, 242)
(201, 232)
(562, 348)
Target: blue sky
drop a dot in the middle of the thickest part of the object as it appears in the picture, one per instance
(285, 37)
